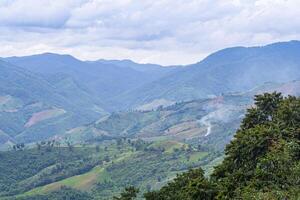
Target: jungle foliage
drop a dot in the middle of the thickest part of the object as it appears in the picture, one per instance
(261, 162)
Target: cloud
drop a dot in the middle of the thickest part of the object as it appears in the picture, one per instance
(165, 31)
(33, 13)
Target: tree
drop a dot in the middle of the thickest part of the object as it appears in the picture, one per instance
(191, 185)
(261, 162)
(20, 147)
(106, 158)
(263, 158)
(70, 146)
(129, 193)
(119, 141)
(38, 146)
(97, 148)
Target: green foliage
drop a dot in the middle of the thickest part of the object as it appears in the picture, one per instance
(129, 193)
(178, 122)
(23, 170)
(63, 193)
(190, 185)
(102, 169)
(261, 162)
(264, 156)
(25, 94)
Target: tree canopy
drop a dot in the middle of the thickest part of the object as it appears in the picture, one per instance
(261, 162)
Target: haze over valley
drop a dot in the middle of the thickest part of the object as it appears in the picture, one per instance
(166, 100)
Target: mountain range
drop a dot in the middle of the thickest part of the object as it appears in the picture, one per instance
(229, 70)
(48, 94)
(125, 84)
(91, 128)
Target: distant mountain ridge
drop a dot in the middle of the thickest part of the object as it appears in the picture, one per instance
(103, 79)
(207, 122)
(49, 107)
(102, 125)
(230, 70)
(123, 84)
(66, 92)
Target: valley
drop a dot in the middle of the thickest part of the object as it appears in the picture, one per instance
(97, 168)
(93, 128)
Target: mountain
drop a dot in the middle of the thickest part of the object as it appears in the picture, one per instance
(209, 123)
(230, 70)
(172, 119)
(34, 108)
(102, 79)
(261, 162)
(47, 94)
(123, 84)
(150, 68)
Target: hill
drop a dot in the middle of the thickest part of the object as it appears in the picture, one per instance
(123, 84)
(102, 169)
(33, 108)
(210, 123)
(234, 69)
(261, 162)
(54, 109)
(102, 79)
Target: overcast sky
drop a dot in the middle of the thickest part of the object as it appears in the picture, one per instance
(147, 31)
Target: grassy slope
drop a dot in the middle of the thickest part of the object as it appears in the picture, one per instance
(143, 168)
(182, 122)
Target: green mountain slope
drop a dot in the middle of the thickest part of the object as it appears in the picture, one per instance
(230, 70)
(208, 122)
(103, 79)
(261, 162)
(120, 85)
(100, 170)
(33, 108)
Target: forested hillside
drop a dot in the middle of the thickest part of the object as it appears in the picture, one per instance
(210, 123)
(261, 162)
(123, 84)
(103, 79)
(229, 70)
(100, 129)
(101, 169)
(51, 95)
(33, 108)
(149, 100)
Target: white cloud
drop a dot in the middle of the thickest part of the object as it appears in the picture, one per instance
(164, 31)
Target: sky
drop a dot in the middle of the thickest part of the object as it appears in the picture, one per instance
(166, 32)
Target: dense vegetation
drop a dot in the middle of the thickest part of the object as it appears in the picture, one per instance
(23, 170)
(186, 122)
(32, 108)
(261, 162)
(64, 193)
(100, 169)
(39, 93)
(143, 148)
(227, 70)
